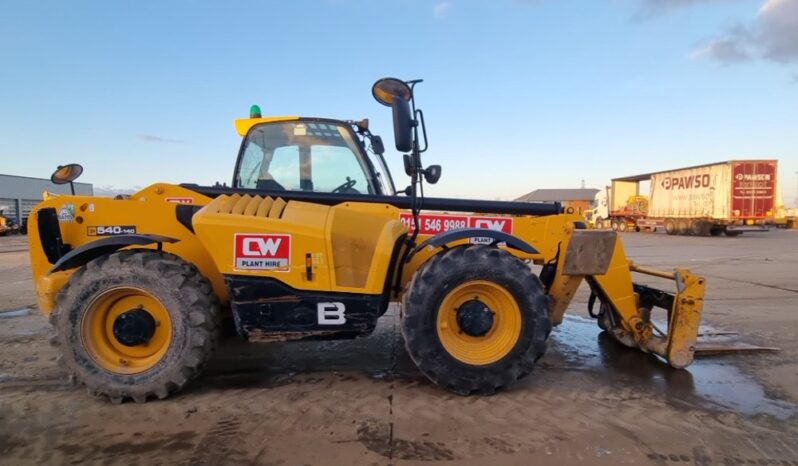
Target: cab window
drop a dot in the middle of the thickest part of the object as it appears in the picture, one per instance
(303, 156)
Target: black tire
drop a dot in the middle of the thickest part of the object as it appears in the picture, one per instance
(699, 228)
(670, 226)
(622, 225)
(683, 227)
(187, 297)
(442, 274)
(716, 230)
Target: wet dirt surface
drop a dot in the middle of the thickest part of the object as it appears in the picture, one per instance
(590, 400)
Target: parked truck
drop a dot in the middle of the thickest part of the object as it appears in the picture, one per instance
(721, 198)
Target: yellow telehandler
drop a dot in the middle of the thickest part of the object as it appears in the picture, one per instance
(312, 241)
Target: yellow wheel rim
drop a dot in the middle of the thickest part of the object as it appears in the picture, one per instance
(98, 331)
(498, 341)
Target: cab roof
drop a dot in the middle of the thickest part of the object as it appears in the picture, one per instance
(243, 125)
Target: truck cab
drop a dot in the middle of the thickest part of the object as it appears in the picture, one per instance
(599, 215)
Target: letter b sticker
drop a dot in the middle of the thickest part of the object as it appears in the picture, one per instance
(331, 313)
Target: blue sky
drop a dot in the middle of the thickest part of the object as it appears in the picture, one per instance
(518, 95)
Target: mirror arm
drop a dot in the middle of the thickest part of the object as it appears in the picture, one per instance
(423, 129)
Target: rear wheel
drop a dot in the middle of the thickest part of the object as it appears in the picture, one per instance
(670, 226)
(136, 325)
(475, 319)
(683, 227)
(700, 227)
(622, 225)
(716, 230)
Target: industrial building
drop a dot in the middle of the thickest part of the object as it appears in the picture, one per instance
(19, 194)
(581, 200)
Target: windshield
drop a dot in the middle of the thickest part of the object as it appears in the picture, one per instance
(303, 156)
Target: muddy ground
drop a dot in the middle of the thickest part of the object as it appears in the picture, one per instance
(363, 402)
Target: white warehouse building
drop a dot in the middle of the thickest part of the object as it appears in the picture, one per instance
(19, 194)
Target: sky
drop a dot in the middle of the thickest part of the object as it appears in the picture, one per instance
(517, 94)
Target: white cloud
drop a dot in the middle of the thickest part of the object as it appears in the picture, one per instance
(778, 37)
(733, 47)
(441, 8)
(651, 8)
(772, 34)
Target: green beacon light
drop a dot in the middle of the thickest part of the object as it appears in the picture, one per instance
(254, 111)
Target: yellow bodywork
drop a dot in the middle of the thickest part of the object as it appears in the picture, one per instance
(348, 248)
(350, 244)
(243, 125)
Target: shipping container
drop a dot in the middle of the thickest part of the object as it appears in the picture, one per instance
(727, 197)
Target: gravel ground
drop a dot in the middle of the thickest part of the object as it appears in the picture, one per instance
(362, 401)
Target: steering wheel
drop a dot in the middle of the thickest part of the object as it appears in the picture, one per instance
(345, 187)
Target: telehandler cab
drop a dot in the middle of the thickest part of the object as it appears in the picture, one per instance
(311, 241)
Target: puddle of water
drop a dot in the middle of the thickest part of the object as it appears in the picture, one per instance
(15, 313)
(709, 383)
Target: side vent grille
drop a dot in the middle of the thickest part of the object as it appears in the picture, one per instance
(254, 206)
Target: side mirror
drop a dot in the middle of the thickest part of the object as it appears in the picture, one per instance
(66, 173)
(408, 160)
(396, 94)
(402, 125)
(432, 174)
(388, 90)
(377, 146)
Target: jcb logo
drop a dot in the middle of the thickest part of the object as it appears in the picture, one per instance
(331, 313)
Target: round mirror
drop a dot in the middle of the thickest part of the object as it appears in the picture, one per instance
(66, 173)
(386, 90)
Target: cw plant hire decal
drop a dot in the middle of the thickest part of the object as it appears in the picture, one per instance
(256, 251)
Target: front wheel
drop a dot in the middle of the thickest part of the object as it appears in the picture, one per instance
(136, 325)
(475, 319)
